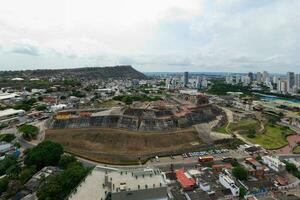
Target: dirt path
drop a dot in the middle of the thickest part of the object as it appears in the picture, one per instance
(229, 115)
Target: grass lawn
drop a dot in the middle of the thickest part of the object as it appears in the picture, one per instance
(244, 126)
(296, 150)
(221, 130)
(273, 138)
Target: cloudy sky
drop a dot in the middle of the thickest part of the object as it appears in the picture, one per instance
(151, 35)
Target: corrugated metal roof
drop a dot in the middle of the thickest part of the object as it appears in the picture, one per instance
(184, 180)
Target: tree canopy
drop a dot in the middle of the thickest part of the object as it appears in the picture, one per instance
(44, 154)
(7, 163)
(240, 173)
(66, 160)
(59, 186)
(29, 131)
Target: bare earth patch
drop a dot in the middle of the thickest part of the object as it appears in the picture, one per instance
(118, 146)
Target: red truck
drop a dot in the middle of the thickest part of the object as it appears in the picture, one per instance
(204, 159)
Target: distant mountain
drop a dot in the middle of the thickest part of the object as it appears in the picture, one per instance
(89, 73)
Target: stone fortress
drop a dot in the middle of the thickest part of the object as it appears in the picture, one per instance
(167, 115)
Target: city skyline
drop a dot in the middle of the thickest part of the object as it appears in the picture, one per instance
(170, 36)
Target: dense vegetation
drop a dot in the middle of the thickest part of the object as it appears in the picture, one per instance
(25, 104)
(221, 88)
(128, 99)
(89, 73)
(3, 184)
(290, 167)
(7, 164)
(47, 153)
(59, 187)
(41, 107)
(240, 173)
(29, 131)
(7, 137)
(44, 154)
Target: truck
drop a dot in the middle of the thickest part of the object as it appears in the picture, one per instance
(204, 159)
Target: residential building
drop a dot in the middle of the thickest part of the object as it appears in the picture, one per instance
(185, 79)
(273, 163)
(265, 76)
(290, 81)
(229, 183)
(185, 180)
(258, 77)
(9, 115)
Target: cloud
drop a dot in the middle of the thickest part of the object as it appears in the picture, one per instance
(217, 35)
(26, 49)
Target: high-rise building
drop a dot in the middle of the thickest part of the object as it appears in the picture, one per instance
(297, 80)
(290, 81)
(198, 83)
(251, 76)
(259, 77)
(185, 79)
(265, 76)
(282, 86)
(237, 79)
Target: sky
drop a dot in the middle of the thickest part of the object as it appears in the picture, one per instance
(151, 35)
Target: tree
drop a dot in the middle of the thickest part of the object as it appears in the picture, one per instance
(44, 154)
(7, 137)
(66, 160)
(243, 192)
(59, 186)
(41, 107)
(8, 162)
(258, 158)
(251, 133)
(240, 173)
(27, 173)
(3, 184)
(29, 131)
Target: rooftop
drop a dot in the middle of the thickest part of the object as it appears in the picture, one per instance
(10, 111)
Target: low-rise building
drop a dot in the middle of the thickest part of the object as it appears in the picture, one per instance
(273, 163)
(118, 184)
(9, 115)
(185, 180)
(229, 183)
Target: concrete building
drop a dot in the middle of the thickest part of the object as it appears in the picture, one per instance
(282, 86)
(229, 79)
(259, 77)
(265, 76)
(251, 76)
(185, 79)
(290, 81)
(297, 80)
(245, 80)
(117, 184)
(5, 96)
(228, 183)
(9, 115)
(273, 163)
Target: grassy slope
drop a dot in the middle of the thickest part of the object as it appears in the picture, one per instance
(244, 126)
(271, 139)
(92, 143)
(296, 150)
(222, 129)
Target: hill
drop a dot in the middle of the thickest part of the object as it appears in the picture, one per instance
(119, 146)
(90, 73)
